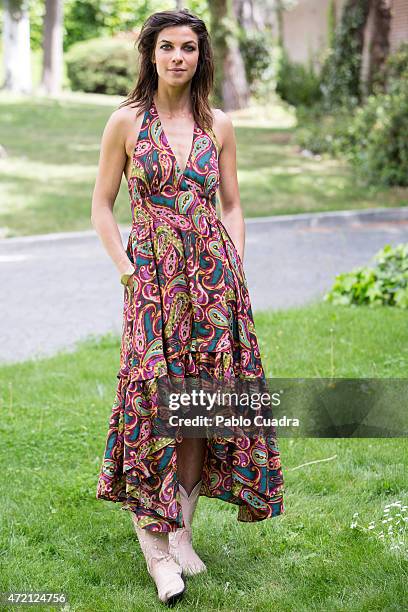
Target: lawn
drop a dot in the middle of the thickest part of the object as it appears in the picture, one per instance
(57, 536)
(52, 148)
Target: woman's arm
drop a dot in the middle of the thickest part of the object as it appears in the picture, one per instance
(112, 160)
(231, 212)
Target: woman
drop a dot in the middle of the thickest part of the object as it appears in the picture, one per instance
(187, 311)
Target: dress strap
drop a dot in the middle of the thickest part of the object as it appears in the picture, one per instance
(211, 132)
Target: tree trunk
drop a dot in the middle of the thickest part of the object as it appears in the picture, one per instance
(52, 47)
(379, 45)
(231, 86)
(252, 15)
(16, 45)
(279, 10)
(331, 23)
(341, 73)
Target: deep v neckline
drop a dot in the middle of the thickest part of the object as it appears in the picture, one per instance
(181, 173)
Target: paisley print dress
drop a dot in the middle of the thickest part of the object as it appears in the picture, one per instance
(186, 313)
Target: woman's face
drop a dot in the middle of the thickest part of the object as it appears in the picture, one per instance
(176, 47)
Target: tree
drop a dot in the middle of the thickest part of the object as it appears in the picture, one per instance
(16, 44)
(279, 10)
(331, 23)
(53, 47)
(341, 73)
(379, 45)
(231, 87)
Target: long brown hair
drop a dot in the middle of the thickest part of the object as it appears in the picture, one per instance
(203, 79)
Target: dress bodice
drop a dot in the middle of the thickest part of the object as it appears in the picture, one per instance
(156, 176)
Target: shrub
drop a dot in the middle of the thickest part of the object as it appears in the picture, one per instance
(296, 83)
(322, 132)
(373, 137)
(384, 284)
(102, 65)
(379, 133)
(256, 52)
(396, 68)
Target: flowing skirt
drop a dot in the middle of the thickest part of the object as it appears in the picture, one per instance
(187, 314)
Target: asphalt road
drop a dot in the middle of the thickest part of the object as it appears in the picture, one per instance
(59, 289)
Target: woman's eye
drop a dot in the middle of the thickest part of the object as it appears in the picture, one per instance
(189, 47)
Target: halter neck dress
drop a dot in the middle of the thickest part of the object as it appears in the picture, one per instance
(187, 313)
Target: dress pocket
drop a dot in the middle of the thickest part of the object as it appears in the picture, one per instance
(238, 256)
(232, 246)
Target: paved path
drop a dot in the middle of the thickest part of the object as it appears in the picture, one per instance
(59, 288)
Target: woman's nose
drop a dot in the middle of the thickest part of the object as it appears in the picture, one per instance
(177, 54)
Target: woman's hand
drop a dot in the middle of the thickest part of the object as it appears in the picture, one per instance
(130, 280)
(125, 268)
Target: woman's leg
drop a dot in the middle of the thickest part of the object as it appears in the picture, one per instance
(190, 460)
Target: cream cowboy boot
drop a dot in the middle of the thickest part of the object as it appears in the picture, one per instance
(180, 541)
(166, 573)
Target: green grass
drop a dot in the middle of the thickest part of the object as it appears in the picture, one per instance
(57, 536)
(52, 146)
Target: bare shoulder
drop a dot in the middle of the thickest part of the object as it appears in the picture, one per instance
(114, 131)
(124, 122)
(126, 114)
(222, 126)
(117, 119)
(221, 117)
